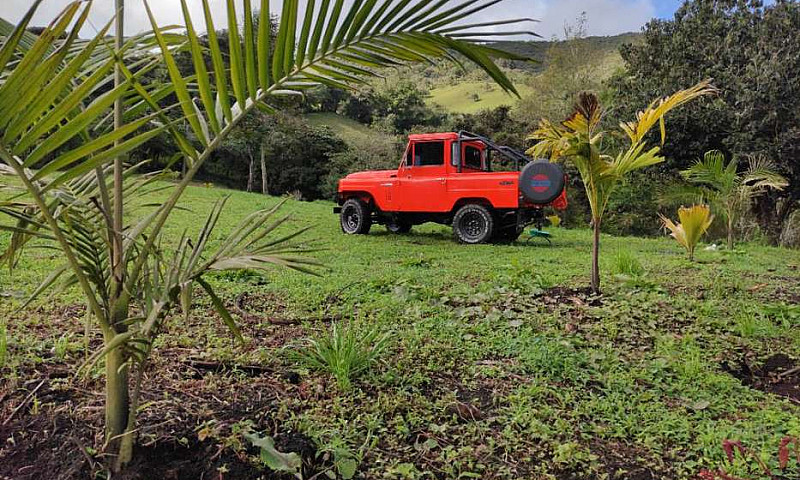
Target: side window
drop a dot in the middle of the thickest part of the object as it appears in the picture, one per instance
(472, 158)
(428, 154)
(409, 155)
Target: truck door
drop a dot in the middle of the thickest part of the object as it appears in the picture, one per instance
(423, 180)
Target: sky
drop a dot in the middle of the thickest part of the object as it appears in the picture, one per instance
(604, 17)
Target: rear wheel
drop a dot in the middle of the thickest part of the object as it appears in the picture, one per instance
(356, 217)
(473, 224)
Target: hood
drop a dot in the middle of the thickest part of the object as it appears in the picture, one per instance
(371, 174)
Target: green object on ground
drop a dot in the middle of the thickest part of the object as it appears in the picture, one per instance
(536, 233)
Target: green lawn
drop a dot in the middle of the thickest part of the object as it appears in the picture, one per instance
(498, 364)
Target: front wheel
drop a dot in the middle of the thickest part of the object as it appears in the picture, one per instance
(356, 217)
(473, 224)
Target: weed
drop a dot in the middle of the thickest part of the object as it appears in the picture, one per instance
(746, 325)
(625, 263)
(290, 463)
(3, 344)
(344, 352)
(60, 347)
(552, 357)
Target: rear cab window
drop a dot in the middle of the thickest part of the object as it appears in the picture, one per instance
(473, 158)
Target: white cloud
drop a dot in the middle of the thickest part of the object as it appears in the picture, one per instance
(605, 17)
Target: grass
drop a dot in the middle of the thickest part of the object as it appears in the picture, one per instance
(344, 352)
(474, 96)
(350, 130)
(499, 366)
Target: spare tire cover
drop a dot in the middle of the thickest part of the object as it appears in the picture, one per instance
(541, 182)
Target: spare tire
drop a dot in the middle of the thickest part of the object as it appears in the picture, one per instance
(541, 182)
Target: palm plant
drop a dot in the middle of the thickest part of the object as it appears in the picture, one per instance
(730, 191)
(580, 139)
(58, 137)
(694, 222)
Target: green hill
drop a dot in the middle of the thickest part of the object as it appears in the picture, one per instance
(350, 130)
(473, 91)
(471, 97)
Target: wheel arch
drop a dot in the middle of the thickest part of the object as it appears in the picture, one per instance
(471, 200)
(364, 196)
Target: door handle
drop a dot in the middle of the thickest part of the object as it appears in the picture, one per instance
(443, 180)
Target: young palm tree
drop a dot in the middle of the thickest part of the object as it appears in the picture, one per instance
(729, 191)
(580, 140)
(59, 138)
(694, 222)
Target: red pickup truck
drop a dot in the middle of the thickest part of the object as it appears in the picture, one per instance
(447, 178)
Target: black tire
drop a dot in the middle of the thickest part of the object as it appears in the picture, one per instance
(541, 182)
(473, 224)
(356, 217)
(398, 227)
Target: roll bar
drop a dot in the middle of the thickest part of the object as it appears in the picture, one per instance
(508, 152)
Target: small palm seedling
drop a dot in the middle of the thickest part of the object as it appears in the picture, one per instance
(694, 221)
(344, 352)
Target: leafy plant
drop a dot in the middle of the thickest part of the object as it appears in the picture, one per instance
(729, 191)
(63, 142)
(580, 140)
(270, 456)
(555, 220)
(694, 221)
(552, 357)
(344, 352)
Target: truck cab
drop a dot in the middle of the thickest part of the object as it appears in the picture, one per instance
(440, 175)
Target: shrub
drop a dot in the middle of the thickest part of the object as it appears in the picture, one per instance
(344, 352)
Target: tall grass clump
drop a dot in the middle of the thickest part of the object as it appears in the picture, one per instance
(625, 263)
(344, 352)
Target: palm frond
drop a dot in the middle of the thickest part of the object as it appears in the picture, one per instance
(658, 109)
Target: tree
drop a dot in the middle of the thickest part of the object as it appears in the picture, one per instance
(580, 140)
(729, 191)
(54, 89)
(752, 52)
